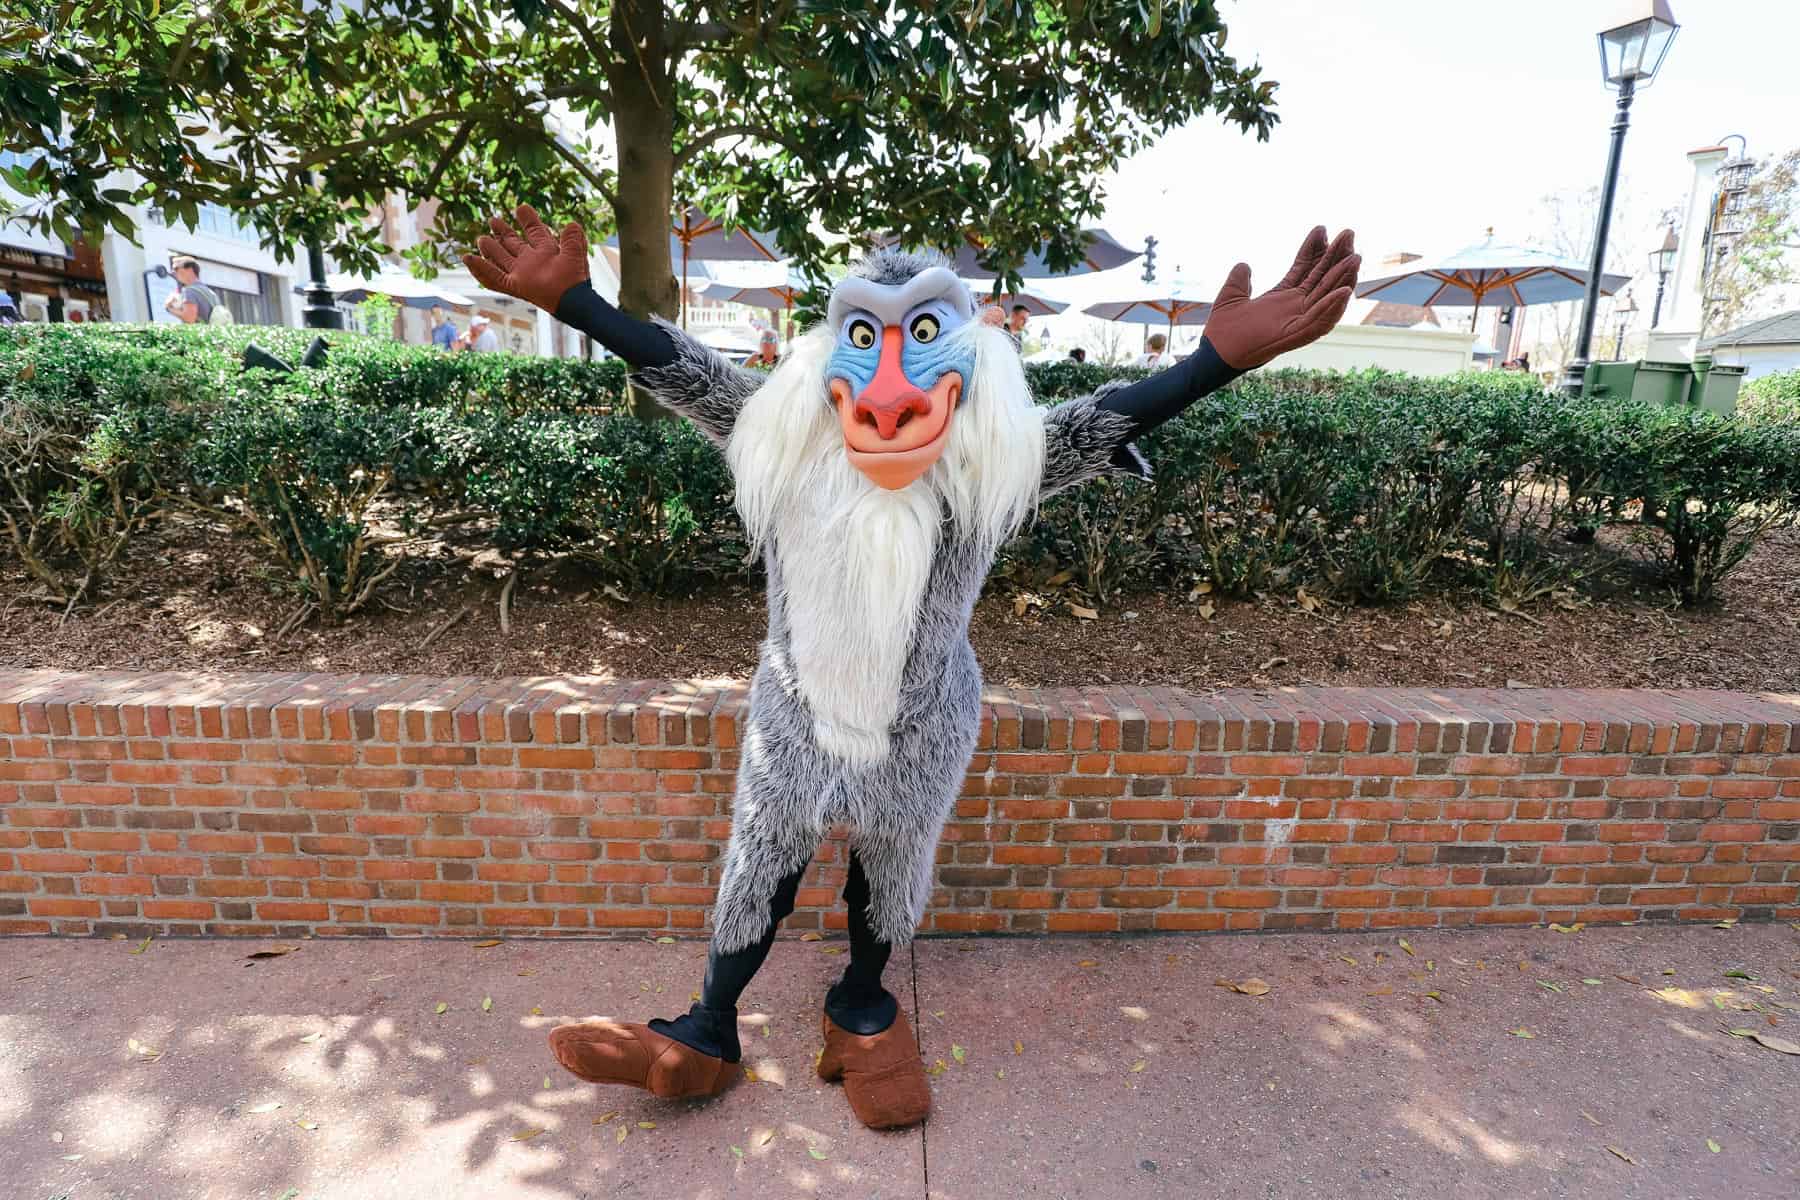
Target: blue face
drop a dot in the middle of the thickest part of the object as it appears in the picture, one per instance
(927, 350)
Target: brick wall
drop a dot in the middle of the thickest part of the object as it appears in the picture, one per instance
(289, 803)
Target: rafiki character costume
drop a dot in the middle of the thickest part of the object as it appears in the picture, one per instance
(878, 468)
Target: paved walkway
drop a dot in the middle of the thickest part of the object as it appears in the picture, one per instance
(154, 1074)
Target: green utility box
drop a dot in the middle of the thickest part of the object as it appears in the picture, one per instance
(1716, 385)
(1712, 386)
(1663, 383)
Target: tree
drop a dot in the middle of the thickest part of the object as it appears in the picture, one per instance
(798, 116)
(1565, 225)
(1752, 241)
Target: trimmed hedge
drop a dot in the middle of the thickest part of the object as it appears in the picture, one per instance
(1371, 487)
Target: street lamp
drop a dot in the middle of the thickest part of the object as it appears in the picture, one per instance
(321, 311)
(1627, 312)
(1630, 53)
(1662, 262)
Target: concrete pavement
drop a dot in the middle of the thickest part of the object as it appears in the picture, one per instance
(1061, 1069)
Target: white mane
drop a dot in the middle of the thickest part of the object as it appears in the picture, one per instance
(855, 559)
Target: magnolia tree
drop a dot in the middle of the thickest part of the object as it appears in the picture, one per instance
(856, 118)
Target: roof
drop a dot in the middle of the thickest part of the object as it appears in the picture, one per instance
(1782, 329)
(1400, 316)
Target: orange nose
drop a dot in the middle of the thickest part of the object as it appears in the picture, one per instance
(890, 400)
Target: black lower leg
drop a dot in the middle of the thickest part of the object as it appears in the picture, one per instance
(710, 1026)
(857, 1002)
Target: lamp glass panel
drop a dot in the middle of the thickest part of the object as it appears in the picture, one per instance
(1634, 50)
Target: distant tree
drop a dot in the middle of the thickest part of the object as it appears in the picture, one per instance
(997, 116)
(1564, 224)
(1747, 267)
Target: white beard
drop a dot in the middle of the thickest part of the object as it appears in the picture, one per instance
(855, 559)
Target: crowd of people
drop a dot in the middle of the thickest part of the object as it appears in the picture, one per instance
(445, 335)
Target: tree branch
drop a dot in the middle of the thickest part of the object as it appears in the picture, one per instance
(455, 148)
(586, 172)
(583, 30)
(724, 131)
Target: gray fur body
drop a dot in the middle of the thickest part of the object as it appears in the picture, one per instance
(789, 789)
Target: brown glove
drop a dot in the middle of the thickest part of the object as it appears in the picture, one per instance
(533, 264)
(1307, 302)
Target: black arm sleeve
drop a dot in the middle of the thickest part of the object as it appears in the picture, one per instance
(640, 343)
(1167, 394)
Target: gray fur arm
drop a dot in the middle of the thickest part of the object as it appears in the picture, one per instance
(1083, 441)
(700, 383)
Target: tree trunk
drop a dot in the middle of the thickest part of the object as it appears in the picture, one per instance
(644, 137)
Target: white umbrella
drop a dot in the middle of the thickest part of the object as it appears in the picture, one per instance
(1176, 302)
(1489, 270)
(1037, 304)
(697, 237)
(411, 292)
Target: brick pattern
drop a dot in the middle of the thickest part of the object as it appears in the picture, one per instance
(285, 804)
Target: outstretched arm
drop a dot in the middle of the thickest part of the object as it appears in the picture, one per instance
(1092, 436)
(550, 270)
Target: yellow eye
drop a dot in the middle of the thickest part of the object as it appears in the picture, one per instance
(862, 334)
(924, 328)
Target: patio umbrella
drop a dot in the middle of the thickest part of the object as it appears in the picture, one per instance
(1176, 302)
(1506, 274)
(695, 236)
(1037, 304)
(1102, 253)
(397, 285)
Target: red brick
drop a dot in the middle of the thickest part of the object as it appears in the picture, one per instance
(1720, 831)
(1246, 898)
(1528, 831)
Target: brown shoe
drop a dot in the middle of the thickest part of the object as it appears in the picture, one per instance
(638, 1056)
(883, 1077)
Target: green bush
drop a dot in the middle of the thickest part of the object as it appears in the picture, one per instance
(1371, 486)
(1771, 398)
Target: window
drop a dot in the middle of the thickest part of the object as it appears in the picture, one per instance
(215, 219)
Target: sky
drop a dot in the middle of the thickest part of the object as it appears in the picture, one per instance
(1420, 123)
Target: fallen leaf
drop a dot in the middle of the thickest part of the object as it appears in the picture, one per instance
(765, 1137)
(1348, 959)
(525, 1135)
(487, 1004)
(1383, 990)
(1620, 1154)
(487, 943)
(1000, 1074)
(442, 1008)
(1280, 660)
(624, 1131)
(522, 974)
(1548, 986)
(936, 1068)
(1086, 614)
(1713, 1146)
(1406, 946)
(1735, 973)
(1249, 987)
(1575, 928)
(1522, 1032)
(603, 1118)
(646, 1124)
(1018, 1047)
(1776, 1043)
(276, 952)
(1134, 1012)
(1594, 982)
(536, 1011)
(959, 1054)
(812, 937)
(142, 946)
(751, 1075)
(1086, 963)
(309, 1038)
(309, 1126)
(1438, 996)
(1139, 1065)
(665, 941)
(268, 1107)
(1727, 923)
(815, 1152)
(738, 1150)
(1591, 1118)
(546, 1083)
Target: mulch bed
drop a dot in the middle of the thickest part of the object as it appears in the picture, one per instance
(208, 601)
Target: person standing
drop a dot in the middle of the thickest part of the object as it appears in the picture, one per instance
(482, 335)
(192, 301)
(443, 330)
(1015, 325)
(768, 351)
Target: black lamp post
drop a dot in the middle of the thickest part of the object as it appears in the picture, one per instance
(1630, 53)
(1628, 311)
(1662, 261)
(321, 311)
